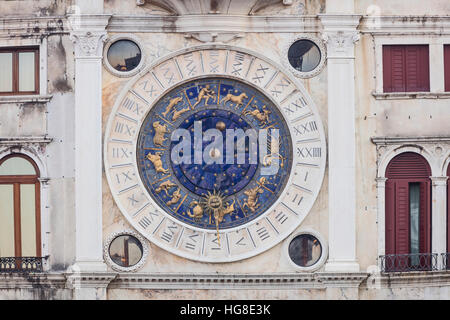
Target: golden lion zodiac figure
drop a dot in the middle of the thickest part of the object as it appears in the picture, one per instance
(235, 99)
(157, 163)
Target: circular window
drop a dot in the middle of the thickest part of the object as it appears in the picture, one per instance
(123, 56)
(305, 250)
(125, 252)
(304, 55)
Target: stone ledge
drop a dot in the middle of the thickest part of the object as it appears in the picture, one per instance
(410, 95)
(25, 99)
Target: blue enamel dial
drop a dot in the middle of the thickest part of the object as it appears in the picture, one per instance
(223, 194)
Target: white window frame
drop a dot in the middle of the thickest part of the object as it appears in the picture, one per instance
(437, 77)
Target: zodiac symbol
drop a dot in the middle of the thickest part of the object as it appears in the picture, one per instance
(262, 117)
(267, 160)
(205, 93)
(172, 103)
(178, 113)
(160, 131)
(165, 186)
(253, 194)
(157, 163)
(235, 99)
(176, 196)
(197, 211)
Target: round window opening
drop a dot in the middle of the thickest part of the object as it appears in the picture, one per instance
(124, 55)
(304, 55)
(305, 250)
(126, 251)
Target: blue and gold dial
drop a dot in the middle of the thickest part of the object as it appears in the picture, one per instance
(220, 194)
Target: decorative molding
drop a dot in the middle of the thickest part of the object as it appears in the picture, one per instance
(273, 281)
(88, 44)
(323, 56)
(180, 8)
(112, 264)
(32, 26)
(38, 99)
(340, 34)
(32, 281)
(410, 95)
(95, 280)
(215, 23)
(405, 25)
(384, 141)
(13, 141)
(222, 37)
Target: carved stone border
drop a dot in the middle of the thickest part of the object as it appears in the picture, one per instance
(127, 232)
(109, 67)
(324, 254)
(323, 56)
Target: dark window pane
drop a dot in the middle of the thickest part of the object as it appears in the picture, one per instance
(304, 55)
(124, 55)
(305, 250)
(125, 251)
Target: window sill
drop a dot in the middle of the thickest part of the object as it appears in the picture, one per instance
(25, 99)
(410, 95)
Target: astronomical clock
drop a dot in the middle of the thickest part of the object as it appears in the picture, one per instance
(214, 153)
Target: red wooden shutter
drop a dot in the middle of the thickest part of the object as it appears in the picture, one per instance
(425, 217)
(447, 67)
(406, 68)
(402, 217)
(394, 69)
(390, 217)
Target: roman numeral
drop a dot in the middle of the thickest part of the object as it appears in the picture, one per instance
(120, 126)
(191, 67)
(237, 65)
(124, 175)
(150, 91)
(281, 217)
(168, 74)
(295, 199)
(120, 153)
(190, 245)
(132, 200)
(263, 233)
(131, 106)
(168, 234)
(279, 88)
(144, 222)
(213, 66)
(309, 152)
(240, 242)
(304, 128)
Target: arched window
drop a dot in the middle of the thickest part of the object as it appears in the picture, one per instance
(408, 209)
(20, 227)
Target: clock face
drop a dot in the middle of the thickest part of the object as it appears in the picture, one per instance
(214, 154)
(230, 169)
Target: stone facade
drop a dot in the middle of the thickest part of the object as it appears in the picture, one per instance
(63, 130)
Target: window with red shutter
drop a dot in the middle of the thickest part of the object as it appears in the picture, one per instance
(447, 67)
(403, 172)
(406, 68)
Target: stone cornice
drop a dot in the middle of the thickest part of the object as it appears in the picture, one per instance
(235, 281)
(405, 25)
(409, 140)
(215, 23)
(14, 141)
(32, 26)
